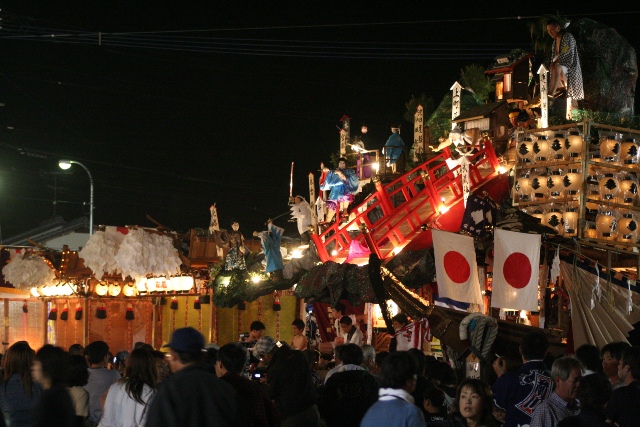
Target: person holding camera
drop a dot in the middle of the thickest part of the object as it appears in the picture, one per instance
(259, 409)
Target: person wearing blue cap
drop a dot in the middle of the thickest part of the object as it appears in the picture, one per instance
(192, 396)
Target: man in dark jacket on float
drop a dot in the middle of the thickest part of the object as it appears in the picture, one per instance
(192, 396)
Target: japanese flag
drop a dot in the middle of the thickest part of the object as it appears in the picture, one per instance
(516, 268)
(456, 269)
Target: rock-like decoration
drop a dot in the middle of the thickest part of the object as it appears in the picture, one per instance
(609, 67)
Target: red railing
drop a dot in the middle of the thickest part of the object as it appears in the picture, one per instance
(395, 212)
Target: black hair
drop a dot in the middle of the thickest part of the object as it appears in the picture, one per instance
(340, 307)
(257, 325)
(342, 159)
(534, 345)
(298, 323)
(433, 394)
(232, 357)
(554, 22)
(346, 320)
(351, 354)
(614, 349)
(398, 368)
(484, 392)
(96, 351)
(76, 349)
(589, 355)
(441, 372)
(631, 357)
(400, 318)
(420, 358)
(55, 364)
(380, 356)
(594, 391)
(79, 374)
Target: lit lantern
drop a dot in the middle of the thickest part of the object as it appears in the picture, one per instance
(129, 290)
(34, 292)
(627, 228)
(628, 189)
(557, 146)
(570, 219)
(553, 219)
(590, 231)
(573, 145)
(541, 148)
(537, 212)
(141, 284)
(102, 289)
(114, 289)
(151, 284)
(41, 290)
(629, 151)
(609, 186)
(539, 184)
(525, 149)
(555, 184)
(606, 225)
(186, 283)
(572, 181)
(523, 188)
(609, 149)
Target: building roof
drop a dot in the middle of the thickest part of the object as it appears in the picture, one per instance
(47, 230)
(478, 112)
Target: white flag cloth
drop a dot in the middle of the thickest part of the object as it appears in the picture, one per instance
(456, 268)
(516, 268)
(414, 335)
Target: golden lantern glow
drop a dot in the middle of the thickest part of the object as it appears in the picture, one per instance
(628, 189)
(629, 151)
(524, 149)
(572, 181)
(555, 184)
(606, 225)
(523, 188)
(556, 146)
(34, 292)
(141, 284)
(609, 149)
(541, 148)
(573, 145)
(570, 220)
(609, 186)
(151, 284)
(129, 290)
(114, 289)
(101, 289)
(553, 219)
(628, 228)
(539, 184)
(590, 231)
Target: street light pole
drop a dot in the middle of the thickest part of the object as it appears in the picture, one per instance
(66, 164)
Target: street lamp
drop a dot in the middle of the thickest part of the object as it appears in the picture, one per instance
(66, 164)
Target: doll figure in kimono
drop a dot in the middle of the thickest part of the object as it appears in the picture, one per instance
(235, 242)
(343, 184)
(270, 241)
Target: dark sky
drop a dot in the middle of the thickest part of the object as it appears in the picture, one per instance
(189, 103)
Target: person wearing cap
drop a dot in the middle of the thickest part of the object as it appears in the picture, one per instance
(342, 183)
(192, 396)
(289, 383)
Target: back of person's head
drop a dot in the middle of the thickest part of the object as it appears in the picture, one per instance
(594, 391)
(96, 351)
(481, 389)
(76, 349)
(313, 356)
(368, 353)
(351, 354)
(631, 357)
(614, 349)
(257, 325)
(188, 344)
(79, 374)
(232, 357)
(140, 370)
(400, 318)
(380, 356)
(563, 366)
(442, 373)
(340, 307)
(17, 361)
(55, 364)
(589, 355)
(420, 358)
(346, 320)
(398, 368)
(432, 393)
(298, 323)
(534, 345)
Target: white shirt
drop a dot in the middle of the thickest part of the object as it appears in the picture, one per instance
(357, 337)
(121, 410)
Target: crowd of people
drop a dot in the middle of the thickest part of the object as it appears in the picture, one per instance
(263, 382)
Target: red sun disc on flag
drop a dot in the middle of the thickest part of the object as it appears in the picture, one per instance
(517, 270)
(457, 267)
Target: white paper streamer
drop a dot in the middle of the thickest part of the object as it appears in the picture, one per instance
(629, 297)
(99, 254)
(28, 271)
(143, 253)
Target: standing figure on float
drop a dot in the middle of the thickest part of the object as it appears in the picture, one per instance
(234, 240)
(565, 71)
(342, 183)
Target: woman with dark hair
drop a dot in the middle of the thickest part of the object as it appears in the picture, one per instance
(18, 392)
(77, 379)
(128, 399)
(51, 369)
(473, 407)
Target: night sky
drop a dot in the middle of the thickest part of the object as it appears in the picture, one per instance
(183, 105)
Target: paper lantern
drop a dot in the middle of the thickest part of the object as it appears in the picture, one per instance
(186, 283)
(555, 184)
(572, 181)
(141, 284)
(114, 289)
(609, 149)
(628, 189)
(609, 186)
(539, 184)
(573, 145)
(590, 231)
(570, 220)
(537, 212)
(151, 284)
(557, 146)
(606, 225)
(553, 219)
(129, 290)
(523, 189)
(627, 228)
(102, 289)
(541, 148)
(524, 149)
(629, 151)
